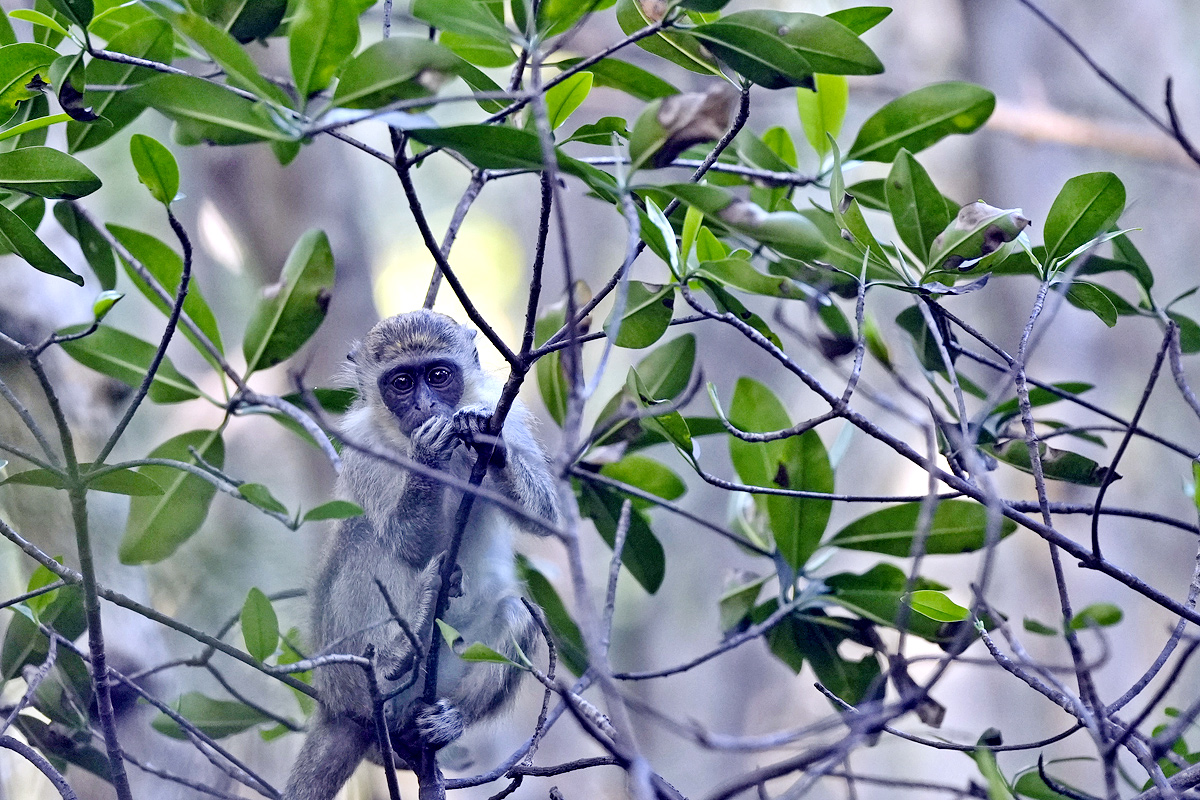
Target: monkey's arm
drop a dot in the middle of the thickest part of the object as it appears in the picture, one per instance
(517, 460)
(405, 508)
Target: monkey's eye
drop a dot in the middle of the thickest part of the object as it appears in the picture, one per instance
(402, 382)
(438, 376)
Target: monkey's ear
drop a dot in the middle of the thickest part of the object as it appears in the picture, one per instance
(352, 356)
(470, 332)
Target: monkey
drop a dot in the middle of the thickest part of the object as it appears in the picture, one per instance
(422, 395)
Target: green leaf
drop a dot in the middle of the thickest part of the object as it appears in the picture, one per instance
(260, 496)
(740, 274)
(29, 209)
(38, 18)
(78, 11)
(25, 644)
(46, 172)
(260, 626)
(116, 16)
(400, 68)
(814, 637)
(495, 147)
(206, 112)
(29, 126)
(151, 39)
(167, 268)
(479, 82)
(323, 34)
(563, 630)
(878, 595)
(599, 132)
(478, 50)
(156, 167)
(643, 555)
(658, 234)
(7, 36)
(1101, 615)
(17, 237)
(668, 370)
(936, 605)
(647, 474)
(786, 232)
(1057, 465)
(158, 526)
(1041, 629)
(985, 759)
(104, 303)
(704, 6)
(334, 509)
(625, 77)
(1091, 297)
(678, 48)
(917, 207)
(564, 97)
(217, 718)
(1087, 206)
(737, 602)
(977, 231)
(122, 481)
(466, 17)
(924, 342)
(126, 481)
(552, 382)
(668, 423)
(798, 462)
(921, 118)
(871, 193)
(99, 255)
(648, 311)
(822, 110)
(825, 44)
(726, 303)
(1030, 784)
(558, 16)
(1039, 397)
(247, 20)
(19, 63)
(479, 652)
(285, 320)
(861, 19)
(1124, 249)
(748, 44)
(240, 70)
(41, 577)
(1189, 332)
(959, 526)
(127, 358)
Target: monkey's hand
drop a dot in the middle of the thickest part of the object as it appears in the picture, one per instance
(435, 440)
(436, 725)
(470, 423)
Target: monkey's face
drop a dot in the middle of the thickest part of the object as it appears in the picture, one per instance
(415, 392)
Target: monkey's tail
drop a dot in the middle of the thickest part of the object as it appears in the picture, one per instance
(330, 754)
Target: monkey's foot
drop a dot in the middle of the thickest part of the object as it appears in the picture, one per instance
(437, 725)
(456, 579)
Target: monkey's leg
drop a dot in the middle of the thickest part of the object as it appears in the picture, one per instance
(330, 754)
(485, 688)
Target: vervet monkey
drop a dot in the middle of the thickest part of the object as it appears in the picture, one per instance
(422, 396)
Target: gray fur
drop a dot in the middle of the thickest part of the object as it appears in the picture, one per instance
(407, 525)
